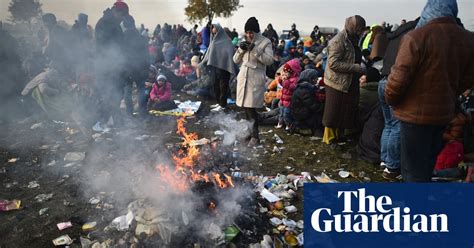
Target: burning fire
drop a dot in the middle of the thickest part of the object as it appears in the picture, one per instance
(185, 162)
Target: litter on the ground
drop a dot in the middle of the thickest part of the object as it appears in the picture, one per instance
(63, 240)
(44, 197)
(64, 225)
(8, 205)
(75, 156)
(13, 160)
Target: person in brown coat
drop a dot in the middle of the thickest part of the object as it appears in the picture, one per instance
(434, 65)
(342, 80)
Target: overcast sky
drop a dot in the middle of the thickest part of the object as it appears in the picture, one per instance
(281, 13)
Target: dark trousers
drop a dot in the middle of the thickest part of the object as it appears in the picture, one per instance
(221, 85)
(127, 96)
(420, 146)
(252, 116)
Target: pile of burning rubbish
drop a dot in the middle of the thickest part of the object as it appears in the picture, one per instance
(210, 202)
(204, 195)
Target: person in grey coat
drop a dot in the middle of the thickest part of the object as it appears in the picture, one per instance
(219, 59)
(253, 54)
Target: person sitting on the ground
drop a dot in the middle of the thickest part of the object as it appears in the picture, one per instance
(273, 94)
(169, 52)
(307, 63)
(305, 109)
(201, 87)
(368, 84)
(290, 75)
(185, 69)
(160, 95)
(54, 96)
(371, 121)
(454, 148)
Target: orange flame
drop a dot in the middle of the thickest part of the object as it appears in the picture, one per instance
(184, 162)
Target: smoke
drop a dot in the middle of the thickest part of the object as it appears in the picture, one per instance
(120, 168)
(233, 129)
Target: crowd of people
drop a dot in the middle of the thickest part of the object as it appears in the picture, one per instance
(403, 91)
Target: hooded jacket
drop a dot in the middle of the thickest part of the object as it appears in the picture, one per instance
(220, 52)
(434, 65)
(341, 65)
(290, 84)
(108, 32)
(303, 102)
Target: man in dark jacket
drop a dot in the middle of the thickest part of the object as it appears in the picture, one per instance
(56, 49)
(390, 140)
(424, 84)
(315, 34)
(136, 68)
(82, 45)
(305, 110)
(110, 60)
(294, 35)
(271, 34)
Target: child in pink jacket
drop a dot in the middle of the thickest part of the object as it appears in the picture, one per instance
(160, 95)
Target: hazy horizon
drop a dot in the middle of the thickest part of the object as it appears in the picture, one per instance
(325, 13)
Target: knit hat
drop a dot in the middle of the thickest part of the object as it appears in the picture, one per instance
(121, 6)
(252, 25)
(161, 77)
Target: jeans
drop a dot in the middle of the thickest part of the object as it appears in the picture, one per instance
(420, 146)
(285, 117)
(390, 139)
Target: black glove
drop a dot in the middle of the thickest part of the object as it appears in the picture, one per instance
(251, 46)
(244, 45)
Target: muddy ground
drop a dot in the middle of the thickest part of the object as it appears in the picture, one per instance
(41, 158)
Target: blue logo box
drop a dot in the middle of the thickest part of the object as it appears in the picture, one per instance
(389, 215)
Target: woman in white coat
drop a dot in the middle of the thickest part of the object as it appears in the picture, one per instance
(254, 54)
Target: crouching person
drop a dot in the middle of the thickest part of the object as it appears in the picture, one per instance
(54, 96)
(160, 95)
(49, 91)
(305, 110)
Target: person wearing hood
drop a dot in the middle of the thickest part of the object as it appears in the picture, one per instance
(219, 58)
(424, 84)
(109, 61)
(289, 79)
(253, 54)
(341, 77)
(271, 34)
(136, 69)
(390, 139)
(305, 110)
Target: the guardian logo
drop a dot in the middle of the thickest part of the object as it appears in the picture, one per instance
(375, 215)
